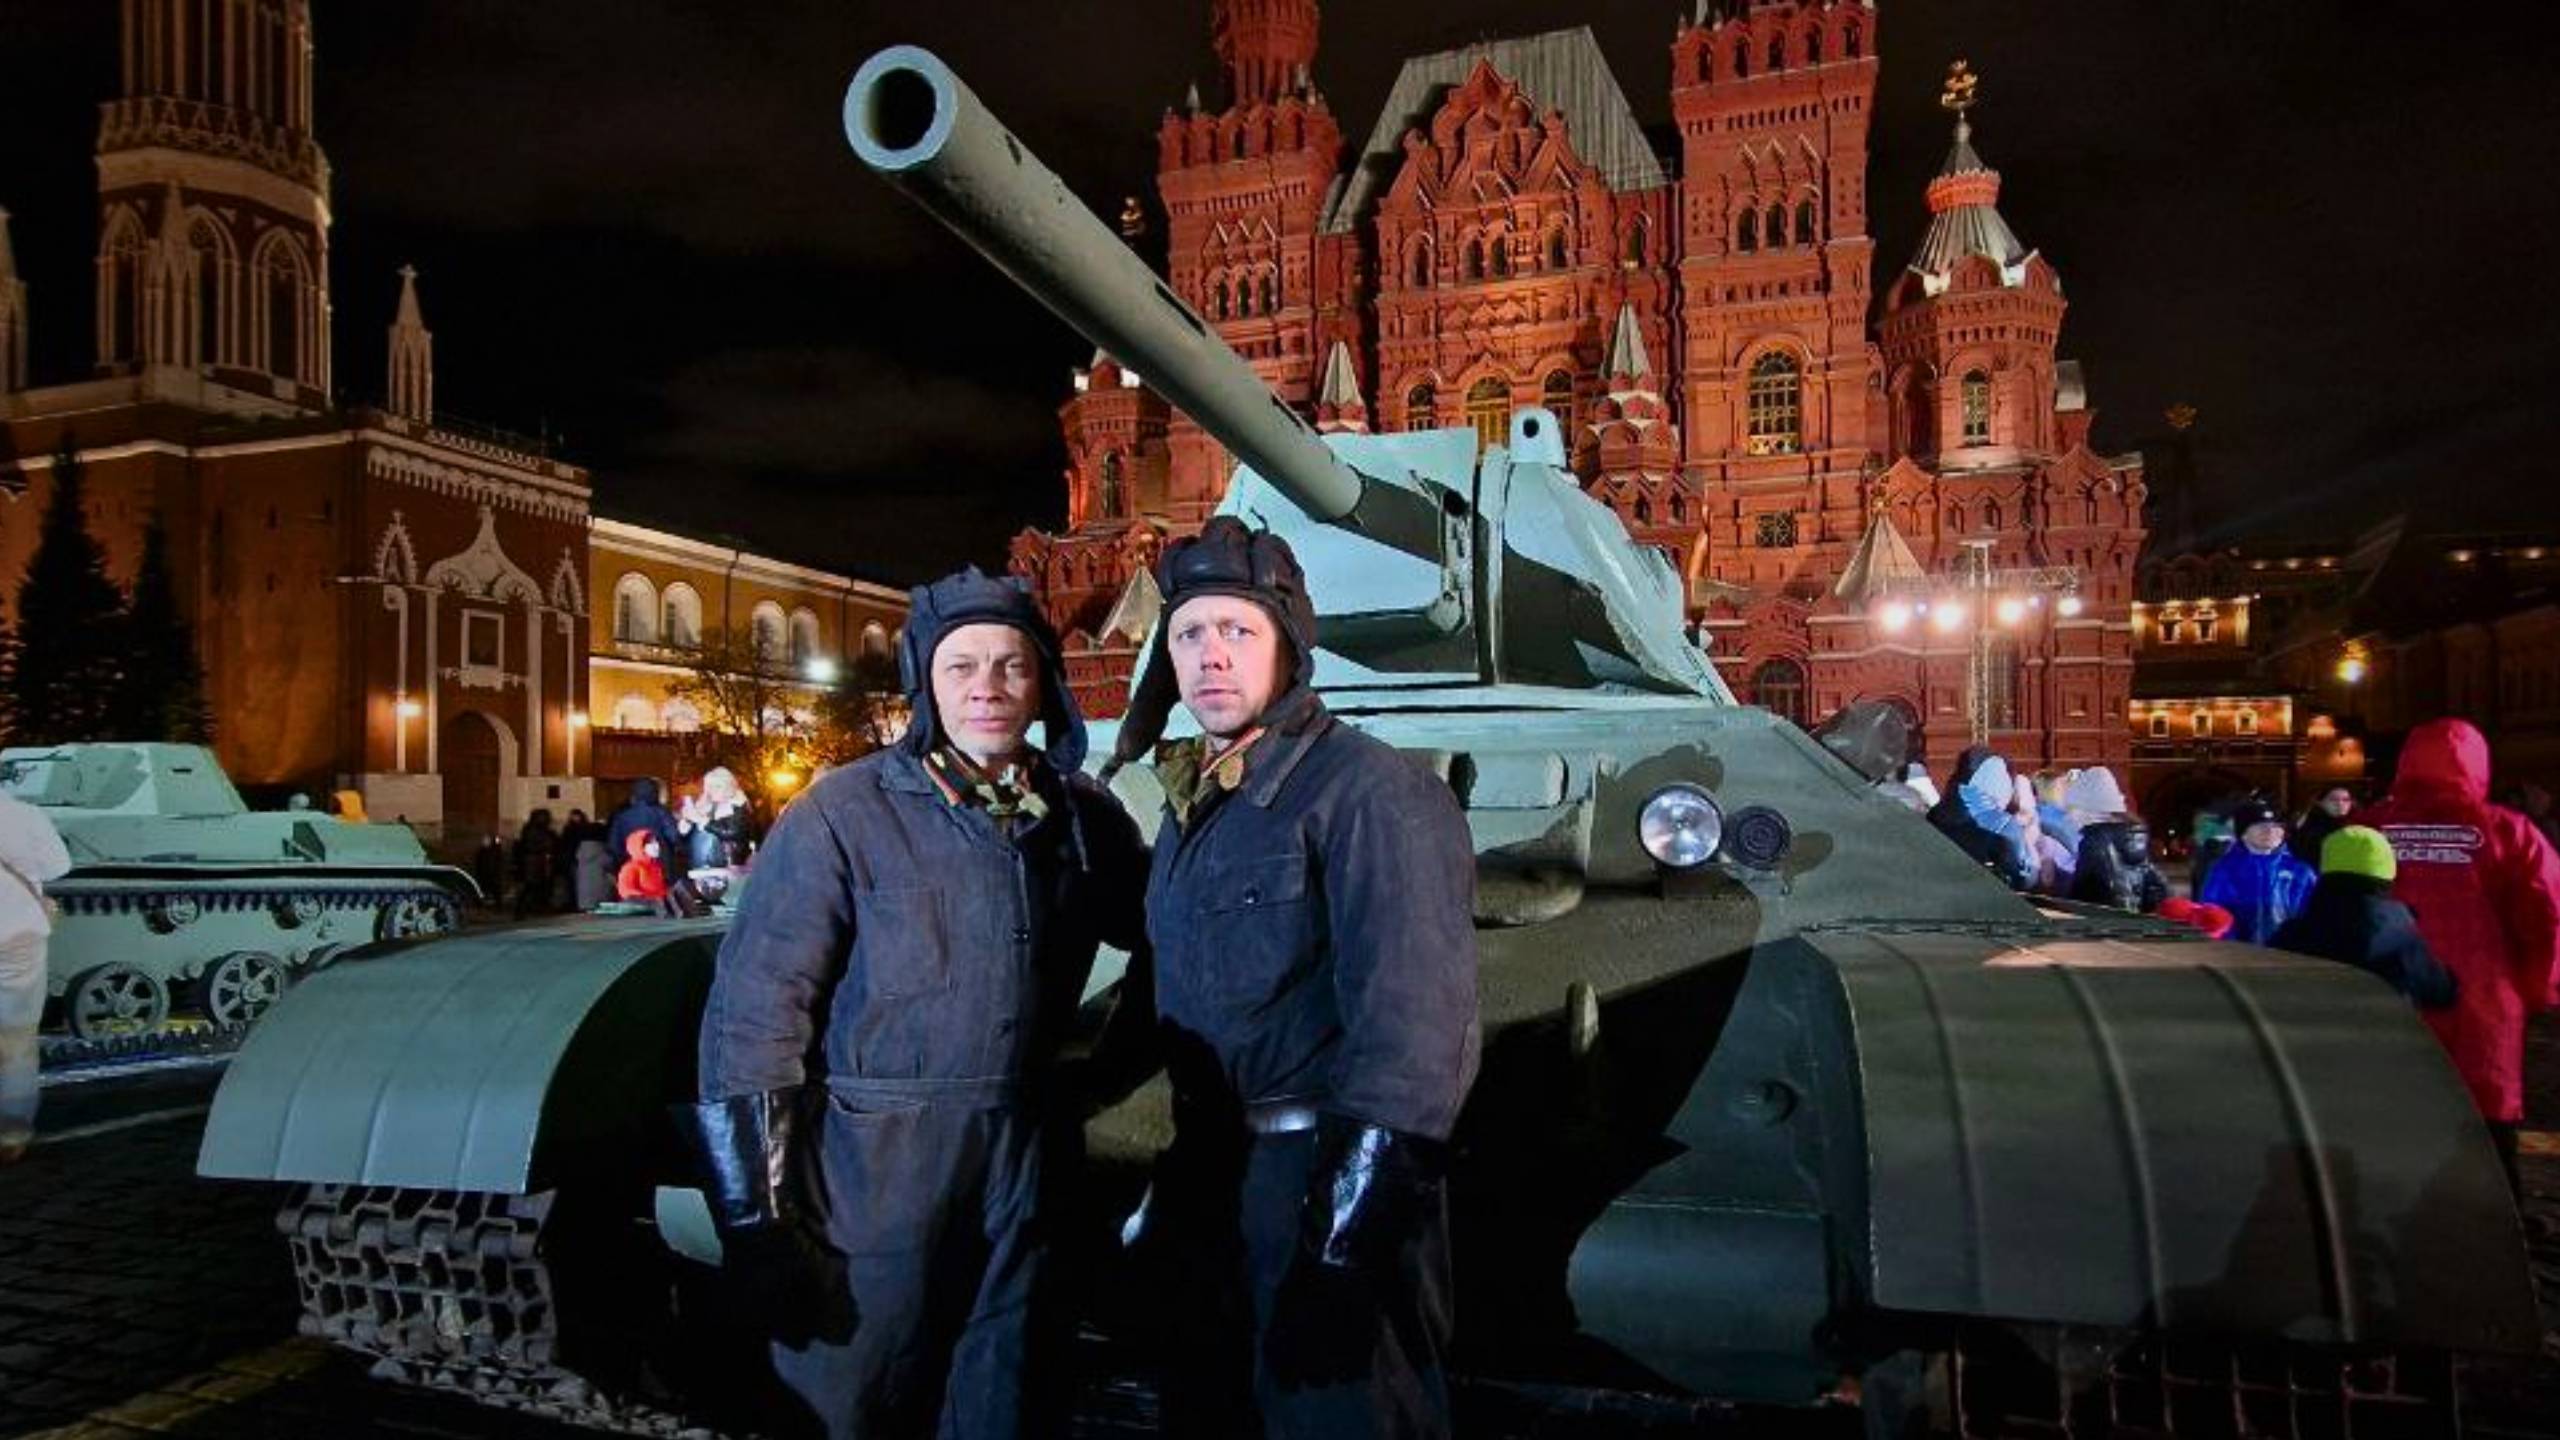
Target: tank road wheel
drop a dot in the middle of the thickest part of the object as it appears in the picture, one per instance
(115, 1000)
(175, 912)
(415, 917)
(298, 912)
(240, 986)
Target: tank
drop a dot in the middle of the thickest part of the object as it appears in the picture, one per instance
(180, 896)
(1807, 1111)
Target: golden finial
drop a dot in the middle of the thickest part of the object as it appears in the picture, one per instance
(1958, 94)
(2182, 416)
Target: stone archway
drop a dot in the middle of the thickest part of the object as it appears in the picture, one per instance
(471, 756)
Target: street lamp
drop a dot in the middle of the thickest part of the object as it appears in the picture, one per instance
(1988, 599)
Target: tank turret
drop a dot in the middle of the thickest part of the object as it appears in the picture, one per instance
(1438, 568)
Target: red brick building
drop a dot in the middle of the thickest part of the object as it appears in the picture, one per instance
(384, 598)
(1696, 303)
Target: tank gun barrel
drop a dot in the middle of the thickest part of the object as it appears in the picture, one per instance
(913, 121)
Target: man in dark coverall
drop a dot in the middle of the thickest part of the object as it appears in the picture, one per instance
(1311, 908)
(877, 1054)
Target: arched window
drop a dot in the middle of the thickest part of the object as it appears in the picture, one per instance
(1489, 411)
(1805, 222)
(635, 609)
(680, 617)
(2159, 724)
(1741, 59)
(1778, 687)
(1501, 246)
(1813, 46)
(1422, 263)
(122, 256)
(1475, 257)
(1850, 43)
(875, 641)
(281, 280)
(2202, 724)
(1218, 297)
(1270, 292)
(1746, 232)
(804, 636)
(1244, 294)
(1975, 397)
(1642, 510)
(1776, 400)
(1777, 227)
(1556, 393)
(1420, 405)
(1635, 242)
(1679, 514)
(1488, 408)
(1955, 518)
(1991, 515)
(2245, 722)
(212, 250)
(771, 632)
(1113, 502)
(1559, 250)
(1777, 52)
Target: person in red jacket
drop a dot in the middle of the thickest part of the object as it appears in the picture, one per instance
(2486, 889)
(643, 877)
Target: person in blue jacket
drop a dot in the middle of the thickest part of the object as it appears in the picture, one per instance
(2260, 882)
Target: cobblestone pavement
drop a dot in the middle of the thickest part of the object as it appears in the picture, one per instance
(137, 1300)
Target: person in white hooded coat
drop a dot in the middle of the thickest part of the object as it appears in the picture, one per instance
(31, 854)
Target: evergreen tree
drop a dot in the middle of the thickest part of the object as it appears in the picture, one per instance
(162, 697)
(68, 665)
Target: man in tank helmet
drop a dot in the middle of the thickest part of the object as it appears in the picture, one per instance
(882, 1126)
(1311, 908)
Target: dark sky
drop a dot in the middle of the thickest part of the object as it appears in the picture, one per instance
(2328, 227)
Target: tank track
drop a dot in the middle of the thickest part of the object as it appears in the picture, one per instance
(84, 895)
(450, 1291)
(62, 1052)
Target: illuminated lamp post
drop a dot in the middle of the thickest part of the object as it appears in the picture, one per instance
(1980, 600)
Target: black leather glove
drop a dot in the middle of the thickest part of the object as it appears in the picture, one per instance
(742, 1150)
(1366, 1199)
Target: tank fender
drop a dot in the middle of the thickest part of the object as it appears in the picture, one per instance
(492, 1062)
(2171, 1136)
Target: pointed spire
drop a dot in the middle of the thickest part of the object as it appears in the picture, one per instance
(13, 316)
(1339, 408)
(1964, 199)
(413, 349)
(1627, 358)
(1882, 564)
(1135, 612)
(1191, 98)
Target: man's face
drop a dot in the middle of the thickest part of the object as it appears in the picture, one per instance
(986, 688)
(2338, 803)
(1226, 659)
(2266, 837)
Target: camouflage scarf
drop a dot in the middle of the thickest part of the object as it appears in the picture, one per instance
(1195, 769)
(1006, 793)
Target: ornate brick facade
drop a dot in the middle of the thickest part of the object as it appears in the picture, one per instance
(1510, 236)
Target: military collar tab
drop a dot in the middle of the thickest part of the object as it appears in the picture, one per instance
(1302, 722)
(904, 773)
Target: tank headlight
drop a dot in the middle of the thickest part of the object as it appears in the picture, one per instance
(1681, 826)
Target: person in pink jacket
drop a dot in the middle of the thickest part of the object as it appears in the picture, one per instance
(2486, 889)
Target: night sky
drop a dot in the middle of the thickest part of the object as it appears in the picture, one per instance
(2328, 226)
